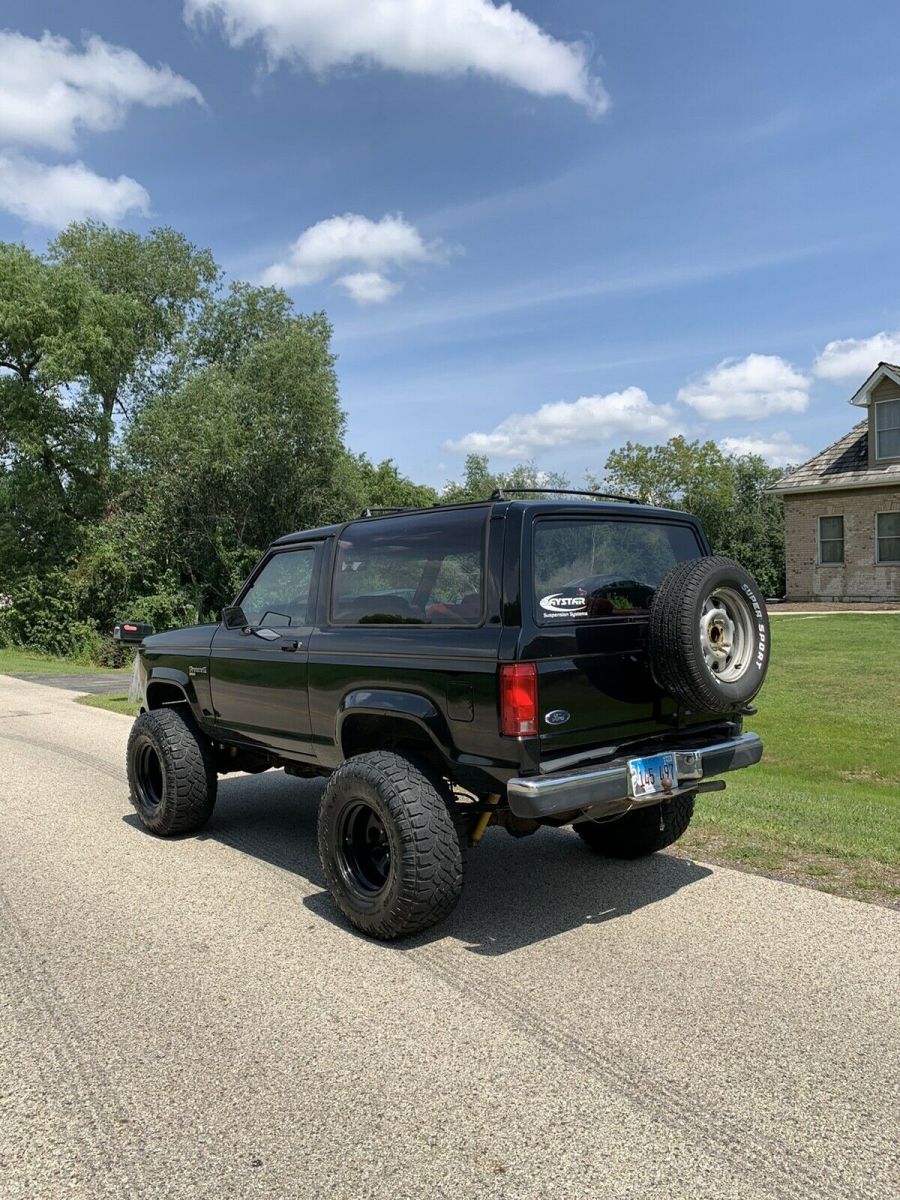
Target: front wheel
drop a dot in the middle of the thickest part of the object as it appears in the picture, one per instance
(390, 849)
(641, 832)
(171, 776)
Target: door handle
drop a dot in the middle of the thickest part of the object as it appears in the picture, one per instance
(290, 645)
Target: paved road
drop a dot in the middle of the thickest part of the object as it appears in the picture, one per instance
(190, 1019)
(113, 684)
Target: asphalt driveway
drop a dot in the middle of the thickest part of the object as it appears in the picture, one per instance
(112, 684)
(190, 1018)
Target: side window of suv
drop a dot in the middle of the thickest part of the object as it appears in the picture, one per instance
(279, 596)
(426, 569)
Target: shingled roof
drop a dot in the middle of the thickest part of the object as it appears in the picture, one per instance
(844, 464)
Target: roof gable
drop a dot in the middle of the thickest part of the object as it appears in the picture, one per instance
(882, 371)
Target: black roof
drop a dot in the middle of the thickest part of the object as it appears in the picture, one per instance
(619, 509)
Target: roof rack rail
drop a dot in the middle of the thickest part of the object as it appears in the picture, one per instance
(499, 494)
(385, 512)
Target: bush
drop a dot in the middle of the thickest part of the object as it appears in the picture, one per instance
(43, 615)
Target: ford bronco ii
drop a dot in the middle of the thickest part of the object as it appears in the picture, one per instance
(513, 662)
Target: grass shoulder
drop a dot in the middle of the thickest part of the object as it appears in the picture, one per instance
(823, 807)
(117, 704)
(15, 661)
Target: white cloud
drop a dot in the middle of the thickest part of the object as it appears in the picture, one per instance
(778, 449)
(426, 37)
(324, 248)
(857, 358)
(49, 89)
(567, 422)
(54, 196)
(753, 387)
(369, 287)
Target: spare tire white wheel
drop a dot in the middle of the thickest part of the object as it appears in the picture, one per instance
(709, 635)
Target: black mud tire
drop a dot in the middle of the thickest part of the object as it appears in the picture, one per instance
(171, 775)
(679, 642)
(638, 833)
(390, 845)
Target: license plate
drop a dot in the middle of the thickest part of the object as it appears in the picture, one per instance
(652, 776)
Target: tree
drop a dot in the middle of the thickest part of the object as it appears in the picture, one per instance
(383, 486)
(156, 432)
(227, 327)
(213, 472)
(727, 492)
(145, 291)
(479, 482)
(48, 433)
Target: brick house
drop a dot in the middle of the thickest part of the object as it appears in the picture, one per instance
(842, 508)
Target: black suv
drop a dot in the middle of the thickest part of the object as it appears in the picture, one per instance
(509, 662)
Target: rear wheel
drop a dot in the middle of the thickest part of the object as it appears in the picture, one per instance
(170, 774)
(641, 832)
(390, 848)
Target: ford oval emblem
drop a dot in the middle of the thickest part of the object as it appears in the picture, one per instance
(558, 716)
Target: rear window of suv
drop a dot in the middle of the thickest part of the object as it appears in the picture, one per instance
(589, 567)
(426, 569)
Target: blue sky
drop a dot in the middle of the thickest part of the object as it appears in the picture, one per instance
(570, 223)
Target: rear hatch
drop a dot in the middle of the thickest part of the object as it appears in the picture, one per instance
(588, 581)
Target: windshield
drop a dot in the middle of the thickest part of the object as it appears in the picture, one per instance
(586, 567)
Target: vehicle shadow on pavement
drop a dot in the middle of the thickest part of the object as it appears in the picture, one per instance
(517, 892)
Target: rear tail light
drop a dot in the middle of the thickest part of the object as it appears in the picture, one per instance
(518, 699)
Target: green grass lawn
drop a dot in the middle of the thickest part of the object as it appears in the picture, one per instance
(823, 807)
(118, 704)
(29, 662)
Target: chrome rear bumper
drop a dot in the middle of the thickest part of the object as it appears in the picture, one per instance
(604, 790)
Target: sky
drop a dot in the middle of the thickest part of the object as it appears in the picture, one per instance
(539, 230)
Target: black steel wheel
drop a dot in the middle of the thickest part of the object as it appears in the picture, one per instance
(148, 776)
(171, 777)
(363, 850)
(391, 851)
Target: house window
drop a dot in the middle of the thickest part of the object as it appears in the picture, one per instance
(887, 537)
(831, 540)
(887, 429)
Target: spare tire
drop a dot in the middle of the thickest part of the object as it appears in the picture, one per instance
(709, 635)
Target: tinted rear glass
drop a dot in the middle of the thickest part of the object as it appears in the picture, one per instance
(603, 568)
(416, 570)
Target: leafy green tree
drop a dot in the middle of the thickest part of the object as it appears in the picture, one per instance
(216, 470)
(727, 492)
(146, 290)
(48, 432)
(156, 432)
(382, 486)
(226, 327)
(479, 482)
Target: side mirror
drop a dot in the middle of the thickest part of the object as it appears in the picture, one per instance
(233, 617)
(131, 631)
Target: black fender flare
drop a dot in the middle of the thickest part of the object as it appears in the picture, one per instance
(173, 677)
(405, 706)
